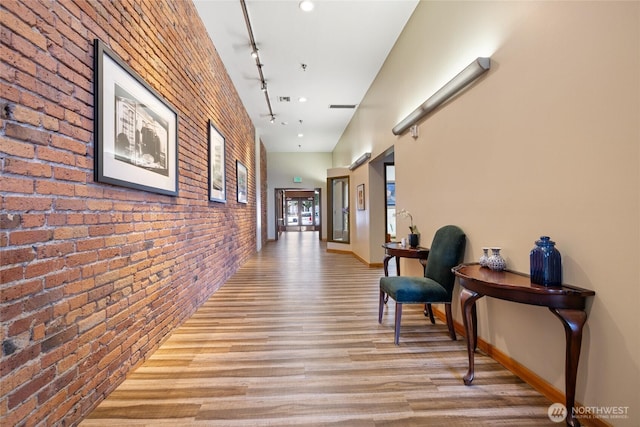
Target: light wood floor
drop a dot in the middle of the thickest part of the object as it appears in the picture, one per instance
(293, 339)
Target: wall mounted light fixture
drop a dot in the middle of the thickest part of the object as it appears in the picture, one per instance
(414, 131)
(360, 160)
(455, 85)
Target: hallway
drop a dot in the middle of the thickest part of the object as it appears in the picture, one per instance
(292, 339)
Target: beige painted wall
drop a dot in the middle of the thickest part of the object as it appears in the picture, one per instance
(282, 167)
(546, 143)
(360, 219)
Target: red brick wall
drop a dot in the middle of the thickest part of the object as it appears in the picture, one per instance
(94, 276)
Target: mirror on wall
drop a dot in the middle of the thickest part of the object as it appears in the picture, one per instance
(338, 209)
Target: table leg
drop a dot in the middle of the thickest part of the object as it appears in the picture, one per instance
(424, 265)
(474, 317)
(573, 321)
(468, 303)
(428, 311)
(385, 263)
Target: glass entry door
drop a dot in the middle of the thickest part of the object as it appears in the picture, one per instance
(293, 212)
(298, 210)
(301, 214)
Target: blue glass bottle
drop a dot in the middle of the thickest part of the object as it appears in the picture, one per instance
(546, 263)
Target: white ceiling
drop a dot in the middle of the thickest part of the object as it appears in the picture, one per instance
(343, 44)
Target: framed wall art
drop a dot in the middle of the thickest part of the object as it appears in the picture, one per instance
(217, 161)
(391, 193)
(360, 197)
(136, 141)
(242, 178)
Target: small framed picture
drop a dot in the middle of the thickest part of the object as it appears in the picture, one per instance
(360, 197)
(391, 193)
(242, 178)
(217, 161)
(136, 129)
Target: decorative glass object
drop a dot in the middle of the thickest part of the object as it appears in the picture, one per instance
(546, 263)
(484, 258)
(414, 240)
(495, 261)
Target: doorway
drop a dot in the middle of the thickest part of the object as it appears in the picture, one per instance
(390, 201)
(297, 210)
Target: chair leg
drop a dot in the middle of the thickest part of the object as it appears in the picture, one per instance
(452, 331)
(397, 326)
(381, 306)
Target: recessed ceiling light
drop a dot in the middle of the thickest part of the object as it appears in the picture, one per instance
(300, 135)
(306, 5)
(302, 99)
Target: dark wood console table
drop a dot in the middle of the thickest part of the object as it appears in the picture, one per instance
(566, 302)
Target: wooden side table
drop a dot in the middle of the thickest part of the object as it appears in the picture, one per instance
(566, 302)
(394, 249)
(397, 251)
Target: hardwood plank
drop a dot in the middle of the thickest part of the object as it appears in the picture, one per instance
(293, 339)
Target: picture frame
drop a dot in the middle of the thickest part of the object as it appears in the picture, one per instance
(217, 165)
(136, 139)
(242, 180)
(391, 193)
(360, 197)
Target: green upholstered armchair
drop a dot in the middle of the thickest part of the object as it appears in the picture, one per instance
(436, 287)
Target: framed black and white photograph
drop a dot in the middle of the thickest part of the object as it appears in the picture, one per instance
(136, 129)
(242, 178)
(360, 197)
(217, 176)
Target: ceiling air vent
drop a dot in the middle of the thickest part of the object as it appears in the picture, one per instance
(284, 99)
(342, 106)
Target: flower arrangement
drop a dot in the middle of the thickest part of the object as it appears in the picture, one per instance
(405, 213)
